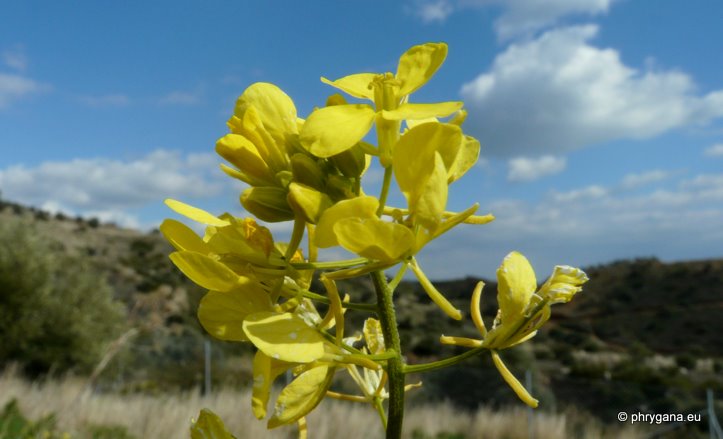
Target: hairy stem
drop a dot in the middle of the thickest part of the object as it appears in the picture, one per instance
(395, 366)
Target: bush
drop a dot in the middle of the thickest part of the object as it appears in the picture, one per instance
(56, 311)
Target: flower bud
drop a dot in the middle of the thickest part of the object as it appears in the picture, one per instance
(307, 171)
(351, 162)
(308, 202)
(340, 188)
(267, 203)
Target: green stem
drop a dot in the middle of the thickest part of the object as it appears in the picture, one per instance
(395, 366)
(385, 189)
(296, 236)
(426, 367)
(380, 409)
(329, 265)
(351, 305)
(398, 277)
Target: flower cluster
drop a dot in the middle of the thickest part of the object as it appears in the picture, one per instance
(310, 171)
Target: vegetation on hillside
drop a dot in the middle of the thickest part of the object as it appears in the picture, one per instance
(585, 357)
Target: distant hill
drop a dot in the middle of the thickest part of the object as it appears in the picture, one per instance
(642, 335)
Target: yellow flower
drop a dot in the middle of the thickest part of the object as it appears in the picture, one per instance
(336, 128)
(522, 310)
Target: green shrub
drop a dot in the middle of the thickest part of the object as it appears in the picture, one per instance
(13, 425)
(56, 311)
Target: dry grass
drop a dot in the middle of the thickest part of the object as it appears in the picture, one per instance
(169, 416)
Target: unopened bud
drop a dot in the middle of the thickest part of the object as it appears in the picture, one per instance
(267, 203)
(308, 202)
(307, 171)
(351, 162)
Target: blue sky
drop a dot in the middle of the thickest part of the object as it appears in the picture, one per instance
(601, 120)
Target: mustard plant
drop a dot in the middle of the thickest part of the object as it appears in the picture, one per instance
(310, 171)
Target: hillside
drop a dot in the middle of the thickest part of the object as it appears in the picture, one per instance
(643, 335)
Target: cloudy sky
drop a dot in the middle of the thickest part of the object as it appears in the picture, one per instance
(601, 120)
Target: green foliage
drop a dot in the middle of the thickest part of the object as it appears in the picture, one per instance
(418, 434)
(13, 425)
(56, 311)
(108, 432)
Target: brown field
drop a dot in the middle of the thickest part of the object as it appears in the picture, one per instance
(169, 416)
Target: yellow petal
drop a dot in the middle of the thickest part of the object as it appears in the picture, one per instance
(182, 237)
(373, 336)
(434, 294)
(422, 111)
(222, 314)
(209, 426)
(331, 130)
(265, 371)
(430, 205)
(460, 158)
(195, 213)
(284, 336)
(360, 207)
(275, 108)
(356, 85)
(564, 283)
(243, 154)
(416, 161)
(374, 239)
(418, 65)
(301, 396)
(516, 285)
(307, 202)
(205, 271)
(518, 388)
(475, 308)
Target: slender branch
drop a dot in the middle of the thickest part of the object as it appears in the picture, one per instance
(351, 305)
(329, 265)
(434, 365)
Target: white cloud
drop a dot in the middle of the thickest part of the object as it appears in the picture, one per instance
(435, 11)
(109, 100)
(632, 181)
(558, 93)
(180, 98)
(14, 87)
(15, 58)
(530, 169)
(578, 195)
(110, 186)
(518, 18)
(714, 150)
(524, 17)
(588, 225)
